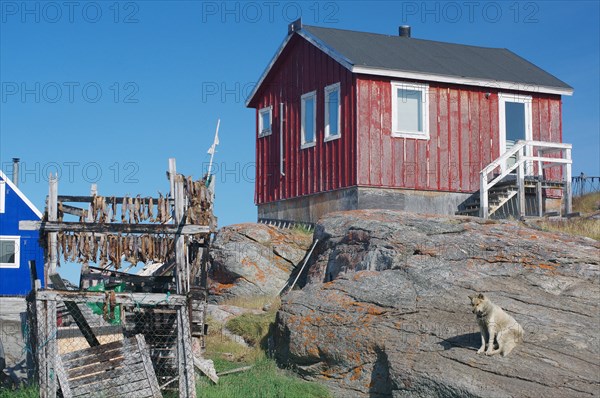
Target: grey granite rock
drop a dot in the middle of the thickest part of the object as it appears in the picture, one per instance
(253, 260)
(385, 311)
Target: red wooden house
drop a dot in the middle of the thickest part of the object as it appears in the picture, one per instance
(353, 120)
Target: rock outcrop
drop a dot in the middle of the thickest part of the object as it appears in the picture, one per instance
(254, 260)
(385, 310)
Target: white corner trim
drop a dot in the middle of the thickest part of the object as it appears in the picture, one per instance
(21, 195)
(2, 196)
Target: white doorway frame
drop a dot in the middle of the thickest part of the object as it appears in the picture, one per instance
(503, 98)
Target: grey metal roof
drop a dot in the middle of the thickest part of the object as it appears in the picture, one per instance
(397, 53)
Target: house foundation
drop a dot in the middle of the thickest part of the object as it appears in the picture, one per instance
(309, 208)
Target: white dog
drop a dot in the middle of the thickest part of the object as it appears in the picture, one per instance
(496, 326)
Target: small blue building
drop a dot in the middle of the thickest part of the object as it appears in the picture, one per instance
(17, 248)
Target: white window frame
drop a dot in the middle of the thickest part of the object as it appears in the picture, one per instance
(17, 240)
(262, 133)
(424, 89)
(2, 196)
(328, 90)
(308, 144)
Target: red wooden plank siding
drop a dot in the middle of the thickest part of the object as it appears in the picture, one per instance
(302, 68)
(463, 127)
(454, 139)
(464, 135)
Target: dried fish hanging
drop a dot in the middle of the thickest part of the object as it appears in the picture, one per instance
(112, 249)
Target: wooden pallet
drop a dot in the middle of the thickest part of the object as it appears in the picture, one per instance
(119, 369)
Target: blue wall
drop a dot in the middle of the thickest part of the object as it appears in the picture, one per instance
(16, 281)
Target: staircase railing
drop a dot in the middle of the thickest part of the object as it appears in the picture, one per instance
(523, 151)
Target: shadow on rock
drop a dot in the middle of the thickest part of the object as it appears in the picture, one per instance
(468, 340)
(381, 383)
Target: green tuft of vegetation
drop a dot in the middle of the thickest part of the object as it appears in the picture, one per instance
(264, 380)
(254, 328)
(22, 392)
(302, 229)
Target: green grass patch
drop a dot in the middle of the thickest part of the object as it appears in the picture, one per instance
(588, 227)
(23, 392)
(254, 328)
(588, 203)
(302, 229)
(264, 380)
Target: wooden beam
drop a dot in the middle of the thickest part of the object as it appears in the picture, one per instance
(76, 313)
(88, 199)
(76, 211)
(121, 298)
(51, 348)
(52, 217)
(50, 226)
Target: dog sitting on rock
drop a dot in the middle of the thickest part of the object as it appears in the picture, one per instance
(499, 331)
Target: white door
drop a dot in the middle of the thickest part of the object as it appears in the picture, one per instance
(515, 123)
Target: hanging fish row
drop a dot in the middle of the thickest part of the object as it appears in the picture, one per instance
(113, 249)
(133, 209)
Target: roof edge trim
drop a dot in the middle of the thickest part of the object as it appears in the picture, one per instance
(20, 194)
(532, 88)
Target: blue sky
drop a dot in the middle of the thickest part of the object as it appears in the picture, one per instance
(106, 92)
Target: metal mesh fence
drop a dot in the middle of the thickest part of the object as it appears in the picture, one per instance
(106, 348)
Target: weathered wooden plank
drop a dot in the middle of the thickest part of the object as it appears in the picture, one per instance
(88, 199)
(51, 348)
(52, 217)
(145, 393)
(207, 368)
(121, 298)
(443, 127)
(63, 378)
(453, 141)
(464, 144)
(143, 349)
(104, 349)
(76, 371)
(49, 226)
(185, 354)
(75, 211)
(114, 377)
(107, 388)
(42, 336)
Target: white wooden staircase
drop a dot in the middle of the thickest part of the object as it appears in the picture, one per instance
(514, 184)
